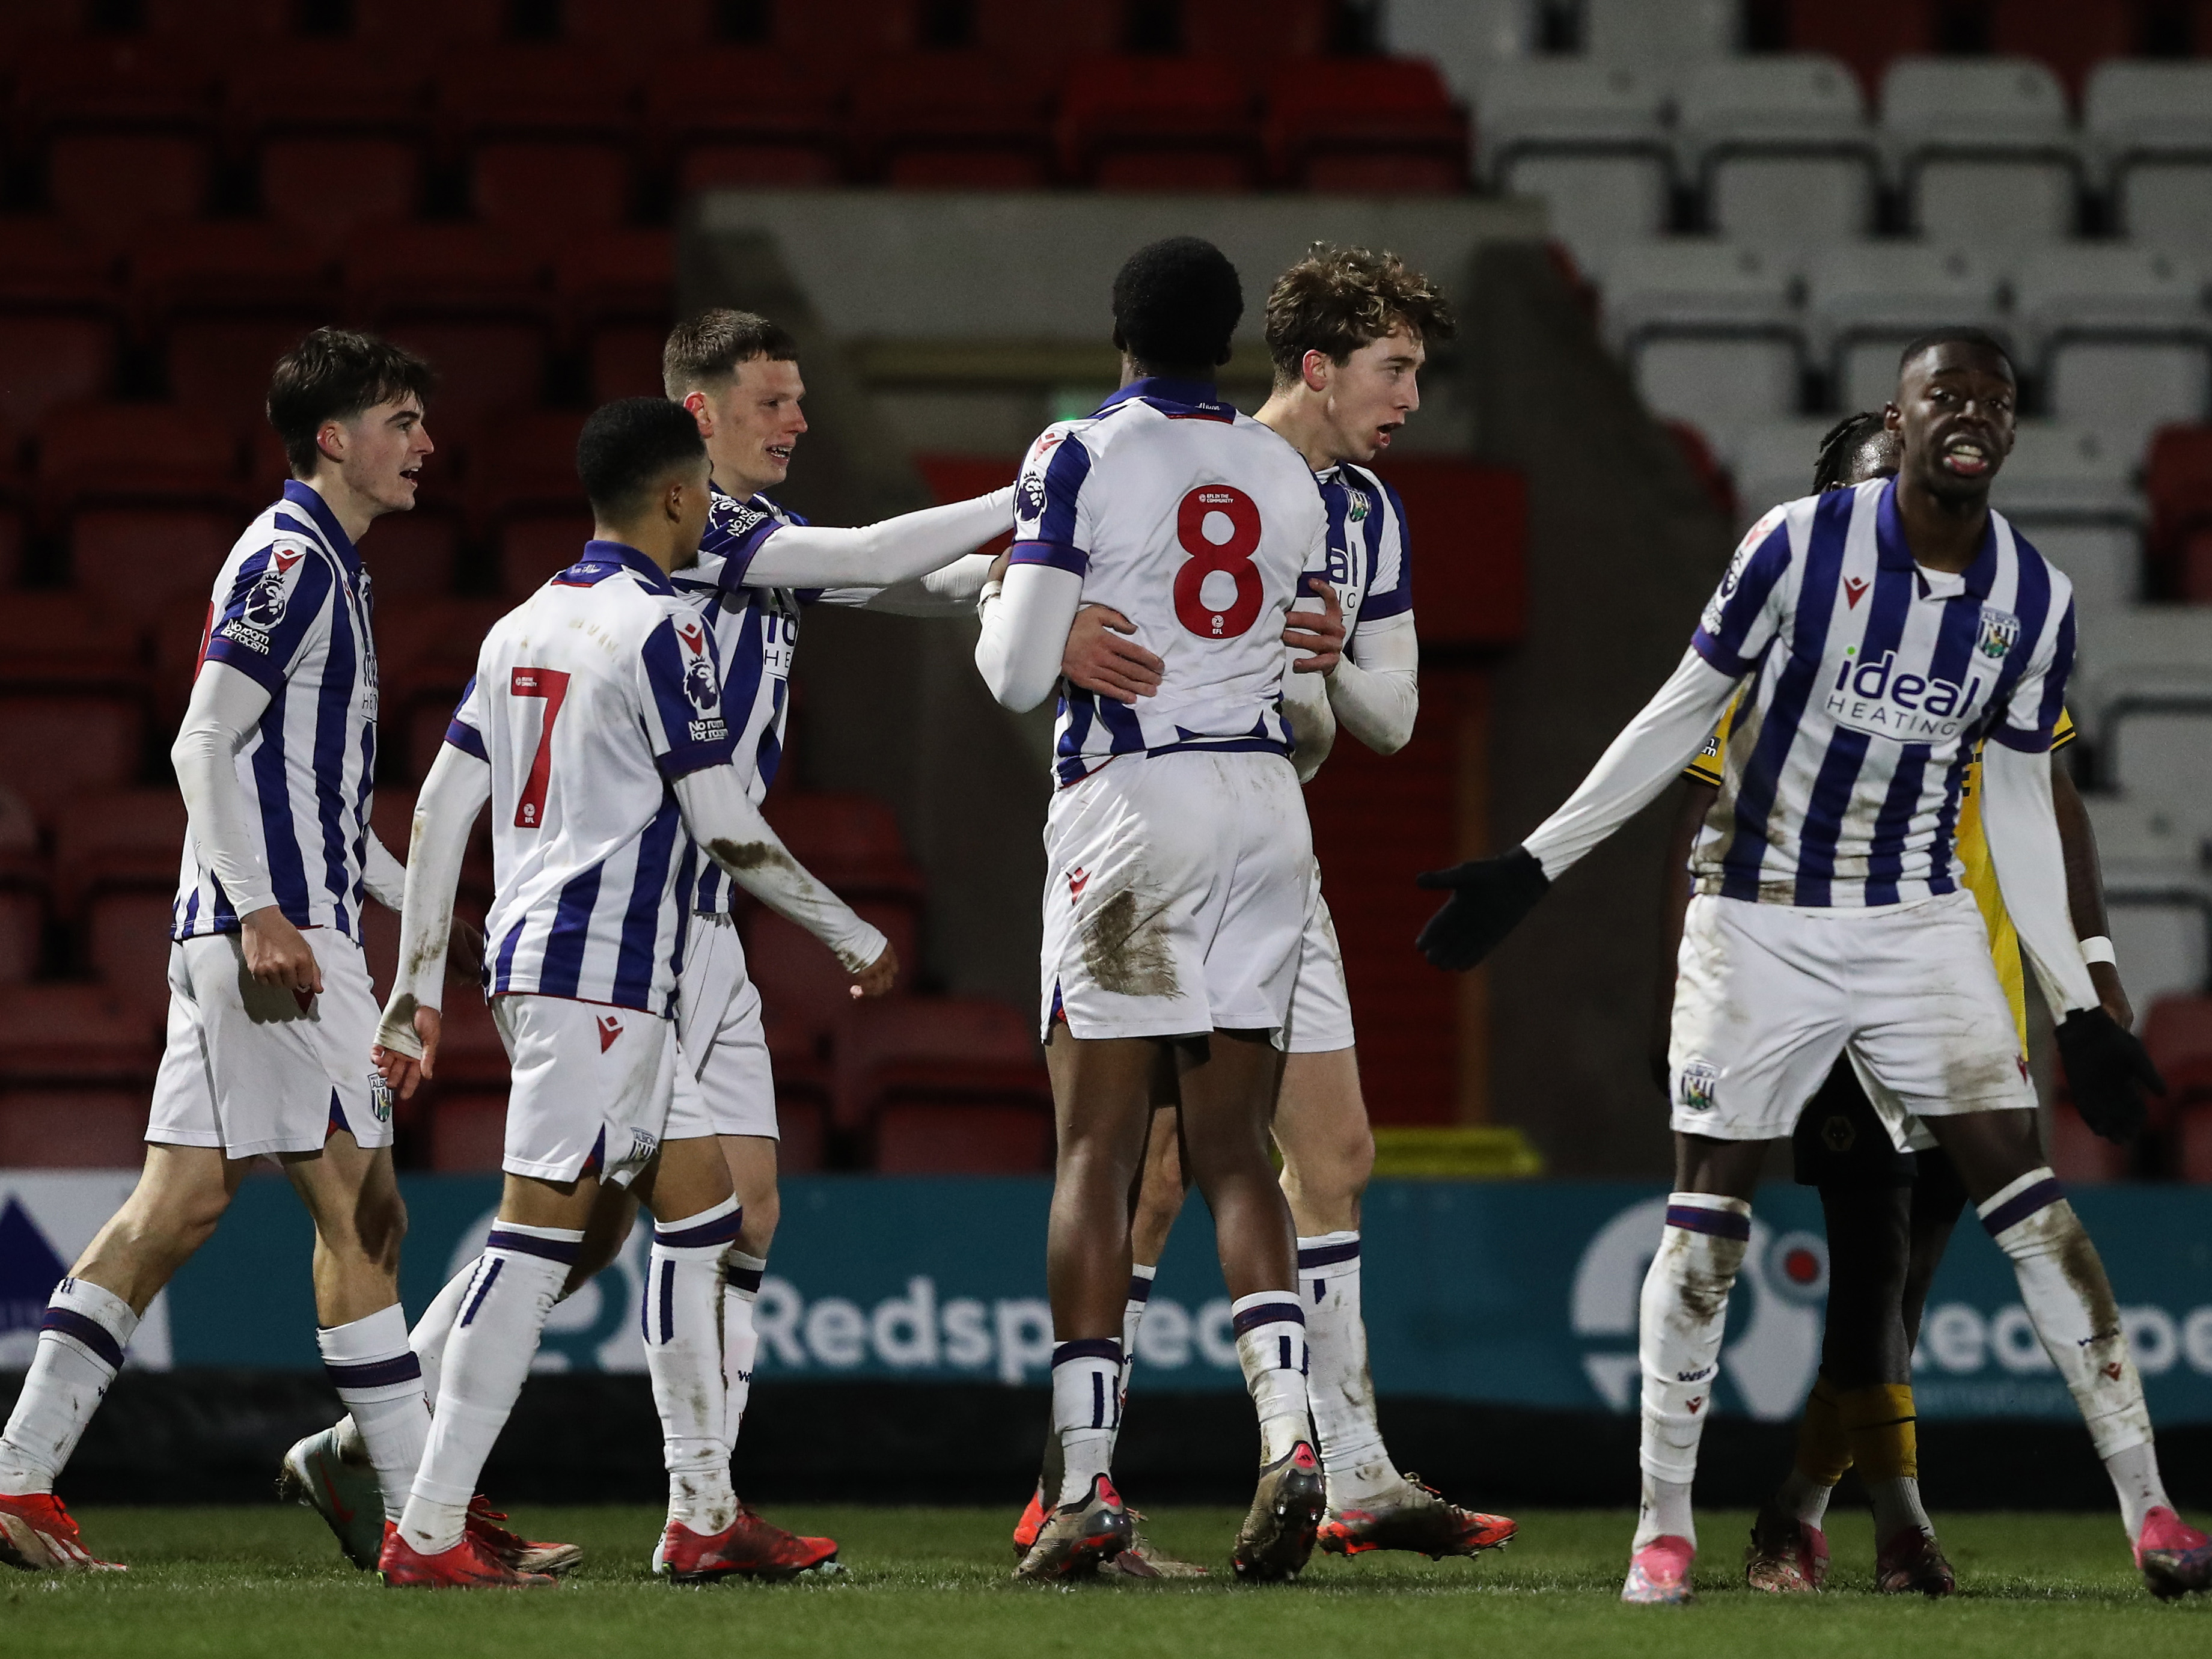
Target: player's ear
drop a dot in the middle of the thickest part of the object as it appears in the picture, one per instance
(1893, 418)
(1313, 369)
(331, 441)
(695, 401)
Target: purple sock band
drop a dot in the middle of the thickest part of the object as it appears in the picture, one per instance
(1090, 1348)
(375, 1373)
(1721, 1223)
(68, 1322)
(1328, 1256)
(1269, 1313)
(721, 1231)
(2020, 1206)
(550, 1249)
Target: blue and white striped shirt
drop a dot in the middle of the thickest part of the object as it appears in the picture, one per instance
(290, 610)
(1874, 682)
(590, 698)
(1370, 563)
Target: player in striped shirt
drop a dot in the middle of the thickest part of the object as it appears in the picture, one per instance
(270, 1011)
(1180, 868)
(1348, 330)
(1887, 632)
(596, 728)
(1889, 1214)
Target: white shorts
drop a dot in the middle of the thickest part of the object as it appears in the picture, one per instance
(1176, 889)
(251, 1068)
(1321, 1005)
(590, 1087)
(724, 1085)
(1766, 996)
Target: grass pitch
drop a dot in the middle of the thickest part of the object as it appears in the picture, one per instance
(241, 1582)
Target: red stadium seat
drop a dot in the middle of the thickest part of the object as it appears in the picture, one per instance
(227, 20)
(74, 1033)
(956, 1138)
(953, 120)
(120, 840)
(2079, 1156)
(624, 359)
(1367, 126)
(468, 1132)
(51, 266)
(2193, 1144)
(224, 363)
(533, 547)
(62, 638)
(801, 982)
(22, 932)
(48, 361)
(851, 842)
(735, 116)
(840, 31)
(382, 182)
(411, 555)
(1183, 124)
(484, 365)
(177, 454)
(115, 183)
(2178, 1034)
(937, 1050)
(1865, 37)
(66, 82)
(650, 35)
(1257, 28)
(2177, 479)
(1043, 37)
(2065, 34)
(126, 945)
(11, 528)
(803, 1122)
(626, 275)
(527, 458)
(429, 270)
(232, 268)
(957, 477)
(134, 560)
(338, 129)
(178, 630)
(2192, 568)
(54, 747)
(550, 191)
(542, 90)
(429, 648)
(72, 1129)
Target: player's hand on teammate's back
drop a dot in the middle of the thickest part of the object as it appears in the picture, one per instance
(1098, 658)
(406, 1047)
(877, 979)
(2107, 1070)
(277, 953)
(1319, 633)
(464, 952)
(1489, 897)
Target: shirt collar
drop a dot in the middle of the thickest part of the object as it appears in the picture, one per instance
(309, 501)
(621, 553)
(1893, 553)
(1193, 394)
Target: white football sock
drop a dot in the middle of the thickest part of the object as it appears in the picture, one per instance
(435, 1330)
(380, 1381)
(1803, 1498)
(1132, 1315)
(1353, 1459)
(682, 1322)
(2068, 1297)
(1897, 1508)
(1271, 1345)
(1087, 1406)
(517, 1278)
(741, 1283)
(81, 1343)
(1681, 1317)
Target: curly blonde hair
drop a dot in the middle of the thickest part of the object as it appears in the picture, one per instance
(1337, 300)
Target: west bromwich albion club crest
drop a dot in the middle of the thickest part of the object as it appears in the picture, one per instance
(1699, 1079)
(2000, 633)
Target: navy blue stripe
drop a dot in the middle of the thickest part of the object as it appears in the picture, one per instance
(770, 754)
(667, 1302)
(1122, 725)
(2020, 1206)
(288, 870)
(375, 1373)
(561, 968)
(721, 1231)
(1076, 707)
(1140, 1288)
(504, 966)
(650, 890)
(1888, 609)
(1768, 565)
(1721, 1223)
(1268, 1313)
(334, 705)
(550, 1249)
(1089, 1347)
(1064, 475)
(1326, 1255)
(68, 1322)
(1073, 560)
(466, 738)
(491, 1277)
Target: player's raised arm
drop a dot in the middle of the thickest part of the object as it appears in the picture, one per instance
(459, 784)
(879, 555)
(720, 817)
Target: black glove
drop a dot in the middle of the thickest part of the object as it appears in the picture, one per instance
(2107, 1070)
(1489, 897)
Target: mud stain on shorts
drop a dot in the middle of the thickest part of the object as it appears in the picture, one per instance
(1124, 947)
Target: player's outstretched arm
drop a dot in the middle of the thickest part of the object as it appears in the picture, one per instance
(1375, 691)
(879, 555)
(1489, 897)
(1025, 633)
(2106, 1067)
(949, 591)
(721, 817)
(226, 707)
(406, 1048)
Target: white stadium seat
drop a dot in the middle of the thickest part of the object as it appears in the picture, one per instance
(2103, 559)
(1587, 137)
(1773, 463)
(2120, 336)
(1780, 147)
(2059, 473)
(1984, 147)
(1659, 31)
(1865, 300)
(1710, 330)
(2147, 130)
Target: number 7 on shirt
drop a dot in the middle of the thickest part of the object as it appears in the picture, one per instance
(552, 684)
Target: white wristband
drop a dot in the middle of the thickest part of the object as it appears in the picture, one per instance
(2099, 949)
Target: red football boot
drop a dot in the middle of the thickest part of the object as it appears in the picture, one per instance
(749, 1547)
(512, 1549)
(465, 1566)
(1032, 1522)
(1419, 1519)
(37, 1535)
(1912, 1563)
(2172, 1556)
